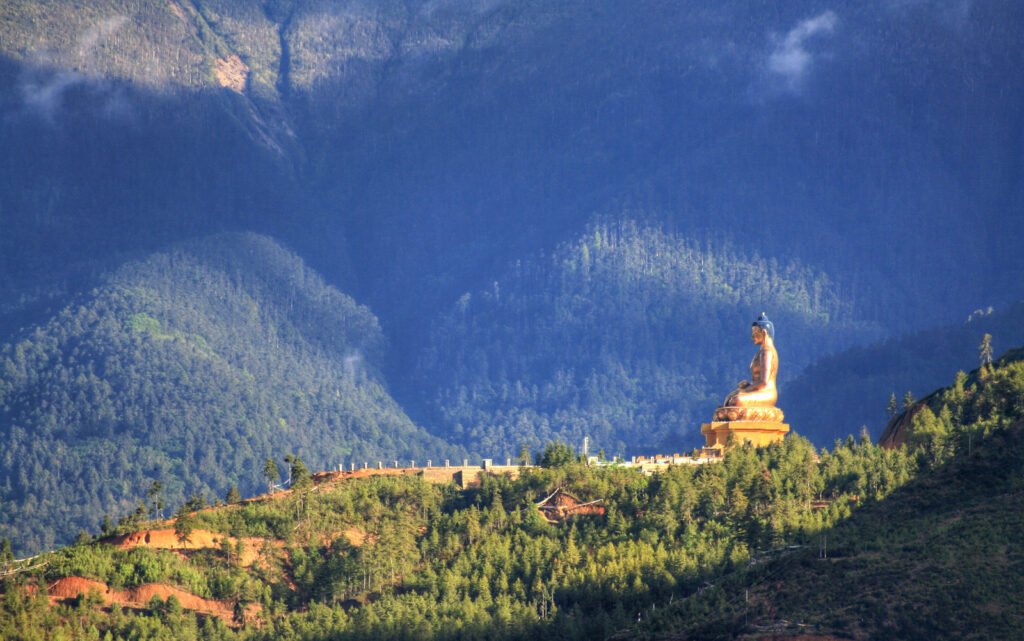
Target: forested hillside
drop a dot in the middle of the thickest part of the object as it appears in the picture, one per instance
(398, 558)
(629, 335)
(841, 393)
(856, 541)
(190, 367)
(940, 558)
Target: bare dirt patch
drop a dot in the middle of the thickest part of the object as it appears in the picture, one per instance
(166, 539)
(231, 73)
(139, 597)
(176, 10)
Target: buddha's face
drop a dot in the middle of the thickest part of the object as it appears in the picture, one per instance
(757, 335)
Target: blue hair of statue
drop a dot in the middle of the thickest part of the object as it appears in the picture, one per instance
(765, 324)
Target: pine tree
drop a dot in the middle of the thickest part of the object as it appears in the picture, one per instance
(985, 354)
(524, 455)
(908, 400)
(155, 497)
(892, 407)
(300, 475)
(271, 473)
(183, 525)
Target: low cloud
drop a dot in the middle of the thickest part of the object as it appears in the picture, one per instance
(43, 88)
(353, 364)
(43, 91)
(790, 61)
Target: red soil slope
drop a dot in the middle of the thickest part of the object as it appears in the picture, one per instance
(166, 539)
(139, 597)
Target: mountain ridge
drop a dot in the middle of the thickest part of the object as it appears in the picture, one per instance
(191, 369)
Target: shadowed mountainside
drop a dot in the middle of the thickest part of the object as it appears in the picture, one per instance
(619, 336)
(841, 393)
(442, 140)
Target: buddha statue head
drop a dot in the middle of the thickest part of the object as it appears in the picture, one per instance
(765, 325)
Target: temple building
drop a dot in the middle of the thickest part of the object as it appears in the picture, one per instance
(560, 506)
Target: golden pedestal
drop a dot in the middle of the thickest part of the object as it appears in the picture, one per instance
(757, 433)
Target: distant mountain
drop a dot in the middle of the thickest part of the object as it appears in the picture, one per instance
(628, 335)
(841, 393)
(190, 367)
(410, 150)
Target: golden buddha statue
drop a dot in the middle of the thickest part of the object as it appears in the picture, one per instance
(749, 411)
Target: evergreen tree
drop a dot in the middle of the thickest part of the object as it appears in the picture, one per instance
(183, 525)
(271, 473)
(908, 400)
(985, 352)
(299, 474)
(557, 454)
(156, 499)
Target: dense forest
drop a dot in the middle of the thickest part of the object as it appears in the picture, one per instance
(940, 558)
(620, 336)
(671, 550)
(189, 368)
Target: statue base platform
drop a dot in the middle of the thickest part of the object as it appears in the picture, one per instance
(717, 434)
(762, 414)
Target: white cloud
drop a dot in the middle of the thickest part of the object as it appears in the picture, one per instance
(789, 62)
(43, 89)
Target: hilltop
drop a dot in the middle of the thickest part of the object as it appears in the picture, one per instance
(189, 367)
(380, 556)
(854, 543)
(940, 558)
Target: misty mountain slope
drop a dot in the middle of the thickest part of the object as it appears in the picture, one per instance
(851, 137)
(619, 336)
(127, 126)
(878, 143)
(190, 367)
(840, 393)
